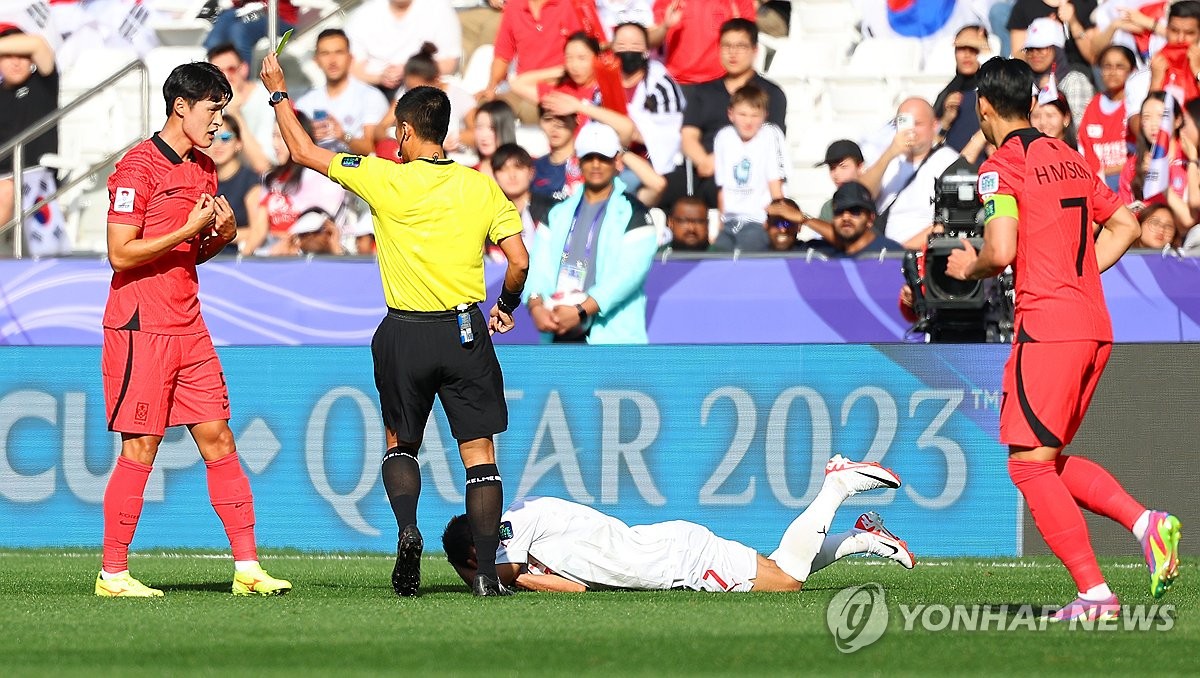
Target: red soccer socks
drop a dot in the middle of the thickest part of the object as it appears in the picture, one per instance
(122, 509)
(1058, 519)
(229, 492)
(1096, 490)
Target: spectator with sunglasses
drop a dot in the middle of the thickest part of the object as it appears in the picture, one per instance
(853, 222)
(240, 185)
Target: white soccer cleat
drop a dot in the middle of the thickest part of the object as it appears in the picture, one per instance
(882, 542)
(857, 476)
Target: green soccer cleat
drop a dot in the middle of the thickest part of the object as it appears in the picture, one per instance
(256, 582)
(124, 586)
(1160, 545)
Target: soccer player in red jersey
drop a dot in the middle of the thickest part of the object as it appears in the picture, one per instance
(1040, 203)
(158, 362)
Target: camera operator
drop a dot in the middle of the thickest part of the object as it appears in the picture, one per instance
(946, 309)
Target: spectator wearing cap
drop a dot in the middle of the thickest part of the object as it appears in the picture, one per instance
(1074, 17)
(853, 226)
(845, 162)
(955, 105)
(589, 265)
(1045, 54)
(313, 233)
(28, 93)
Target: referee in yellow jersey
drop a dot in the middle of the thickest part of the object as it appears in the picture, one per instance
(432, 217)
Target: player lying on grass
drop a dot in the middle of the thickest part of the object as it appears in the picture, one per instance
(549, 544)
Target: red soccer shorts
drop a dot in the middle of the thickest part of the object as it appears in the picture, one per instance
(152, 381)
(1047, 389)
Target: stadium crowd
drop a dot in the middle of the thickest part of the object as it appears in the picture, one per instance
(702, 135)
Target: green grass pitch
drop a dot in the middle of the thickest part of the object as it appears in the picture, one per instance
(343, 619)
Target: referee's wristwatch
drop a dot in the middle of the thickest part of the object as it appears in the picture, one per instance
(277, 97)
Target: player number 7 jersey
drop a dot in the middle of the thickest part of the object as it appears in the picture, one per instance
(1057, 201)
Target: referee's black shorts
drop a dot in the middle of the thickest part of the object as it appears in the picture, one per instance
(418, 355)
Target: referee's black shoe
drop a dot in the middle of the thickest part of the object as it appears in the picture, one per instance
(406, 576)
(489, 586)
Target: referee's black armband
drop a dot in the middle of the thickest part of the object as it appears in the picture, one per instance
(508, 301)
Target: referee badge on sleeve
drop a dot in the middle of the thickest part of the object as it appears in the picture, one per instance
(506, 531)
(351, 160)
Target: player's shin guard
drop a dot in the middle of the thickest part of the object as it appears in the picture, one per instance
(402, 482)
(1058, 519)
(801, 542)
(122, 509)
(1096, 490)
(229, 492)
(485, 503)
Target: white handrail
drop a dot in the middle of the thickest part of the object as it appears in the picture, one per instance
(17, 148)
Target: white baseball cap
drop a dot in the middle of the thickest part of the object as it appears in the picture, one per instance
(1045, 32)
(309, 222)
(596, 138)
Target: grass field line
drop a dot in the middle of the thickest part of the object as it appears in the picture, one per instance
(1016, 564)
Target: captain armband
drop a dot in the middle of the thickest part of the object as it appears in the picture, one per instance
(999, 205)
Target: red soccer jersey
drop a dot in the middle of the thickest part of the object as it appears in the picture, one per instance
(154, 189)
(535, 43)
(1102, 136)
(691, 46)
(1058, 291)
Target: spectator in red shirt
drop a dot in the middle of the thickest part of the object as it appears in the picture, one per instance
(571, 89)
(1103, 131)
(244, 24)
(533, 33)
(693, 32)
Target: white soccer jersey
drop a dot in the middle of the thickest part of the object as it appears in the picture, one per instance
(743, 169)
(581, 544)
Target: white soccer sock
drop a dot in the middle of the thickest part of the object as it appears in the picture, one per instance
(1096, 593)
(803, 539)
(244, 565)
(838, 546)
(1141, 524)
(112, 575)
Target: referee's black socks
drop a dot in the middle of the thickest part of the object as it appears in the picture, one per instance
(485, 503)
(402, 481)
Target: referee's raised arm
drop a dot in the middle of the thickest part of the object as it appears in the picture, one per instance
(302, 148)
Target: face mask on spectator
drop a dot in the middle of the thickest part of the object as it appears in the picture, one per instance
(631, 62)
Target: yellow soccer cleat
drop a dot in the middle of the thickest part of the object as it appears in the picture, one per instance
(256, 582)
(124, 586)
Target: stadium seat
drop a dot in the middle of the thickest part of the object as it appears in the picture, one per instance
(532, 139)
(809, 186)
(856, 95)
(823, 17)
(160, 61)
(477, 69)
(797, 59)
(925, 86)
(883, 56)
(176, 24)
